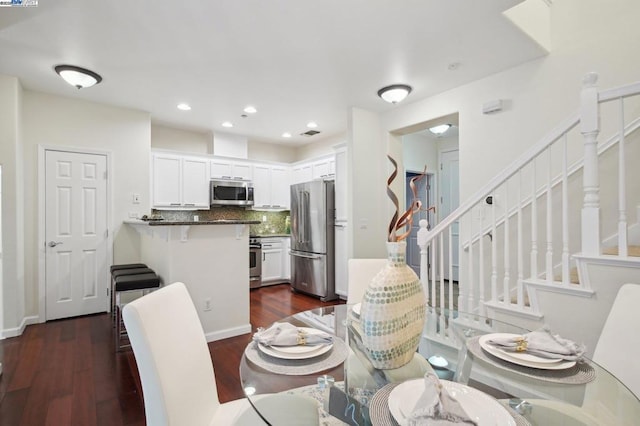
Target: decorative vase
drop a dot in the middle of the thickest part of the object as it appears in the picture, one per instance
(392, 314)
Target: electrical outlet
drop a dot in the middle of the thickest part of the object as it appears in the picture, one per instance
(136, 198)
(207, 304)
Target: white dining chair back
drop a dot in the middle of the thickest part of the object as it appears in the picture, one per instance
(360, 274)
(177, 374)
(619, 338)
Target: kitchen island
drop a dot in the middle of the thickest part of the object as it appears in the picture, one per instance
(212, 259)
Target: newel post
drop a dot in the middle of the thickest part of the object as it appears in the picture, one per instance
(423, 233)
(590, 127)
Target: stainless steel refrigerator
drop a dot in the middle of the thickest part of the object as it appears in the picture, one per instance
(312, 238)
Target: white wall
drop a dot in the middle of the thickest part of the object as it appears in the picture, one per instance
(320, 147)
(164, 137)
(586, 36)
(418, 151)
(13, 279)
(60, 122)
(260, 151)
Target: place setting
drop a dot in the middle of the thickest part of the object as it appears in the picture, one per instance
(539, 354)
(284, 348)
(430, 400)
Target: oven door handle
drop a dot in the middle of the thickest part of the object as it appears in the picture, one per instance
(307, 256)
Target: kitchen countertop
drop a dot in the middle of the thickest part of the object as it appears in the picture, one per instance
(271, 235)
(201, 222)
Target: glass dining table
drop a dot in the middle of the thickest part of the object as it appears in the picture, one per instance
(492, 388)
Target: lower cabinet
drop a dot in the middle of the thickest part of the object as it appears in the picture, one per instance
(341, 260)
(275, 260)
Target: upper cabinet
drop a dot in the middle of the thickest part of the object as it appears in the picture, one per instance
(227, 169)
(180, 182)
(271, 187)
(324, 168)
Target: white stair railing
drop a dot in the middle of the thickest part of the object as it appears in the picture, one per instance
(509, 238)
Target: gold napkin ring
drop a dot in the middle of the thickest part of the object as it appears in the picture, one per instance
(521, 345)
(302, 338)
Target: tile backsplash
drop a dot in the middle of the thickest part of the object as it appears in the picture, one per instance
(270, 222)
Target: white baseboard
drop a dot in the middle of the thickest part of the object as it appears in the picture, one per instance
(228, 332)
(15, 332)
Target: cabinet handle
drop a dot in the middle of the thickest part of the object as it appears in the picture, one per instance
(189, 204)
(175, 204)
(226, 177)
(266, 245)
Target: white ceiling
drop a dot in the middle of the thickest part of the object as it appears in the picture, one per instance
(294, 60)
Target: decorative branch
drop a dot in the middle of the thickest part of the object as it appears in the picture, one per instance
(406, 219)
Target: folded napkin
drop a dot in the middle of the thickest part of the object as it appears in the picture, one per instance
(285, 334)
(436, 407)
(541, 343)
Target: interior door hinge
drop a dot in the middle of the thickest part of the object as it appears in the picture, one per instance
(107, 291)
(440, 166)
(106, 233)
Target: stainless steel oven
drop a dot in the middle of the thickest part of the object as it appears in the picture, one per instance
(255, 263)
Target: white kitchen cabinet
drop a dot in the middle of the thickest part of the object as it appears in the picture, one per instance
(271, 187)
(272, 260)
(341, 260)
(302, 173)
(323, 169)
(180, 182)
(286, 259)
(227, 169)
(341, 185)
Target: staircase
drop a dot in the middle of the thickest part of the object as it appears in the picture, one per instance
(550, 239)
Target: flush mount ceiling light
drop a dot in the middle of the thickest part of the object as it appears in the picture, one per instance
(440, 129)
(184, 107)
(77, 77)
(394, 93)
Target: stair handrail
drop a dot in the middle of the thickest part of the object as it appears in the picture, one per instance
(556, 133)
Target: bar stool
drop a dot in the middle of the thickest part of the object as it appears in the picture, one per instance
(125, 269)
(144, 282)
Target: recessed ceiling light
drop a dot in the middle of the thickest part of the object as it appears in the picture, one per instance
(286, 135)
(227, 124)
(312, 124)
(184, 107)
(394, 93)
(250, 110)
(78, 77)
(438, 130)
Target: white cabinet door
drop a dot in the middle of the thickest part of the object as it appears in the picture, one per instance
(221, 169)
(167, 182)
(302, 173)
(242, 171)
(286, 259)
(280, 193)
(261, 186)
(195, 183)
(272, 253)
(341, 259)
(341, 185)
(320, 169)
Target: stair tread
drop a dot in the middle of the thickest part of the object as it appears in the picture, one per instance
(631, 251)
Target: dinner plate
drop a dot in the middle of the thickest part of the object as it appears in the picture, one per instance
(299, 351)
(480, 407)
(521, 358)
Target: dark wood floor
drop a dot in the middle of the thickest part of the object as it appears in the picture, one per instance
(66, 372)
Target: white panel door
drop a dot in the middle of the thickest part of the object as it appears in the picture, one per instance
(449, 201)
(76, 234)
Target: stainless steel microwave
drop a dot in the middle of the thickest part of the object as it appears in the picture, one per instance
(231, 192)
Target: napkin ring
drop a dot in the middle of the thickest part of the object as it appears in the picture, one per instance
(521, 345)
(302, 338)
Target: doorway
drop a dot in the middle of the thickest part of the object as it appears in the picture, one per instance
(425, 195)
(449, 201)
(76, 240)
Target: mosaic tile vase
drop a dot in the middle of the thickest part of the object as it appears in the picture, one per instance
(392, 314)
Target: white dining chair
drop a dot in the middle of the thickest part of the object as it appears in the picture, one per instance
(619, 338)
(360, 273)
(177, 374)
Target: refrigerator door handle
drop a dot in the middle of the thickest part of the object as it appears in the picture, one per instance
(293, 253)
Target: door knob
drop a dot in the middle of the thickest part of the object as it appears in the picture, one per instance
(53, 243)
